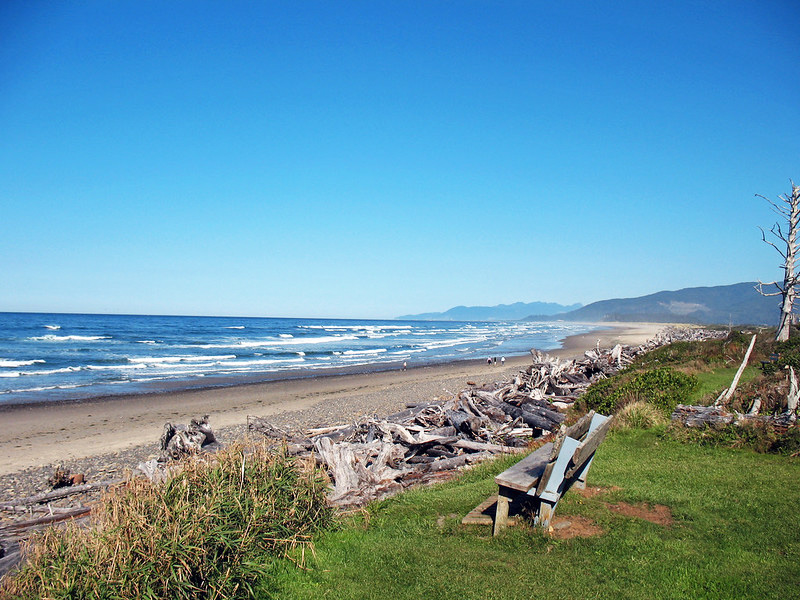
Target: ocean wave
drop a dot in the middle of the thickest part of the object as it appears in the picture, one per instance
(364, 352)
(277, 342)
(53, 327)
(19, 363)
(38, 373)
(179, 359)
(151, 342)
(285, 335)
(69, 338)
(235, 327)
(45, 388)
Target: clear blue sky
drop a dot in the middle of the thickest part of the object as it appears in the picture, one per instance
(371, 159)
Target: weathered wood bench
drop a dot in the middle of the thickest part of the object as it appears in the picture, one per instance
(544, 476)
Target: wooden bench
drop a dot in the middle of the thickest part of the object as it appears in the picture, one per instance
(542, 477)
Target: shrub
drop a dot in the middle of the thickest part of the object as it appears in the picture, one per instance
(210, 531)
(756, 435)
(662, 387)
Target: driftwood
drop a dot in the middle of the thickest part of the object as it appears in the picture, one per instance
(372, 458)
(62, 492)
(726, 395)
(178, 441)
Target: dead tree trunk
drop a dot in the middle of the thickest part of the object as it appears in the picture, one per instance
(790, 211)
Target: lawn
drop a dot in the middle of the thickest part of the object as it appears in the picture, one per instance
(733, 535)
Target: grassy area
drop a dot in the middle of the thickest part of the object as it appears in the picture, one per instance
(733, 536)
(713, 381)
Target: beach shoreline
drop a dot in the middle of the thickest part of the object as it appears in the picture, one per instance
(126, 429)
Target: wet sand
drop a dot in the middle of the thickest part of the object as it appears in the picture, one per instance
(35, 436)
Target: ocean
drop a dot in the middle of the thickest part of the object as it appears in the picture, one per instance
(51, 357)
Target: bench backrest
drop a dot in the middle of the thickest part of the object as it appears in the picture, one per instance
(574, 453)
(566, 455)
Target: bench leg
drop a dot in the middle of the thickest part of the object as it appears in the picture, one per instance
(580, 476)
(546, 512)
(501, 514)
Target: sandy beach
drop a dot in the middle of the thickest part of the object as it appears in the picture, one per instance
(116, 433)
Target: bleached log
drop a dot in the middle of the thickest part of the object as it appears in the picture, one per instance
(794, 394)
(756, 406)
(63, 492)
(54, 518)
(726, 397)
(697, 416)
(473, 446)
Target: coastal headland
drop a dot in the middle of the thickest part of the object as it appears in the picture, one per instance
(118, 432)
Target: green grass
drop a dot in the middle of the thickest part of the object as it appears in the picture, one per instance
(712, 382)
(734, 535)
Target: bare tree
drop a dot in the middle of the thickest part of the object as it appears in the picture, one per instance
(788, 209)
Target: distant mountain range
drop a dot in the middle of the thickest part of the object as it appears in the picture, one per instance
(501, 312)
(737, 304)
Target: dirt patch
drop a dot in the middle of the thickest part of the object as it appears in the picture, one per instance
(593, 491)
(565, 528)
(657, 513)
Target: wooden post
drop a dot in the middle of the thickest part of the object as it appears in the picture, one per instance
(501, 513)
(546, 511)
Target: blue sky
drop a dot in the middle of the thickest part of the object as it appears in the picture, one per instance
(372, 159)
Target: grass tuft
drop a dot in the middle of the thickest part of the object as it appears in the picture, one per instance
(639, 415)
(211, 531)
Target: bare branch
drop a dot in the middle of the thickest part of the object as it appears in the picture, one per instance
(778, 209)
(760, 289)
(779, 233)
(766, 241)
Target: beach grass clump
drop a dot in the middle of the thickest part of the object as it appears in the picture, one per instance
(211, 531)
(639, 415)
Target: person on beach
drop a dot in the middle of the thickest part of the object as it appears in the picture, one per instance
(405, 365)
(489, 361)
(502, 361)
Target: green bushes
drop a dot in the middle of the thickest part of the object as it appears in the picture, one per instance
(757, 436)
(662, 387)
(209, 532)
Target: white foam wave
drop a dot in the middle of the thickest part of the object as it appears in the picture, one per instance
(19, 363)
(151, 342)
(364, 352)
(70, 338)
(44, 388)
(453, 342)
(53, 327)
(114, 367)
(35, 373)
(285, 335)
(278, 342)
(235, 327)
(179, 359)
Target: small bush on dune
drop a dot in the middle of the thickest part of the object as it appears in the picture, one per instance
(662, 387)
(209, 532)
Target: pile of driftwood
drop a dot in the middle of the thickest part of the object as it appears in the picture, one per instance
(23, 516)
(374, 458)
